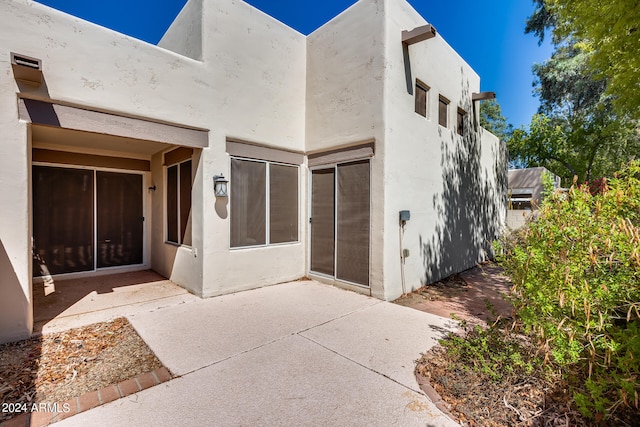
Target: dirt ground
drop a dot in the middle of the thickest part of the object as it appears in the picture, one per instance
(58, 366)
(477, 297)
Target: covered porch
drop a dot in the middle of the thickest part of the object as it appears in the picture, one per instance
(71, 303)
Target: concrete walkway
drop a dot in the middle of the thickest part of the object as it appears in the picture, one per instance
(300, 353)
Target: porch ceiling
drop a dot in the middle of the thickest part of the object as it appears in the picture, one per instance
(54, 137)
(114, 132)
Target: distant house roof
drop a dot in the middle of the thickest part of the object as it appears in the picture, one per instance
(529, 181)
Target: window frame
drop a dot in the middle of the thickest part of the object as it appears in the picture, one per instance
(267, 204)
(181, 237)
(443, 101)
(420, 85)
(460, 118)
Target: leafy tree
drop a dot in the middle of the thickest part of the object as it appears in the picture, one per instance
(540, 21)
(610, 32)
(491, 119)
(577, 131)
(573, 146)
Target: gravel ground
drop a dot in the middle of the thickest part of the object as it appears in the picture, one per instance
(56, 367)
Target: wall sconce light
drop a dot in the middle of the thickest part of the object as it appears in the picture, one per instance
(220, 185)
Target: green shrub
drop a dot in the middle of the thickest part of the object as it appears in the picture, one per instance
(576, 275)
(493, 352)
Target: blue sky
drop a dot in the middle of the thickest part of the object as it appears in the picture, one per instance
(488, 34)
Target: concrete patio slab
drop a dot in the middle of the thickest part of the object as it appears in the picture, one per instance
(386, 338)
(79, 302)
(288, 382)
(191, 336)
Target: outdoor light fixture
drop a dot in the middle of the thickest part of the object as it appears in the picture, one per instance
(418, 34)
(482, 96)
(26, 69)
(220, 185)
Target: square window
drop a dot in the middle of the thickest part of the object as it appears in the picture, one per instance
(264, 203)
(421, 98)
(443, 106)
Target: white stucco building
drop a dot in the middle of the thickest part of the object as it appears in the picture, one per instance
(109, 147)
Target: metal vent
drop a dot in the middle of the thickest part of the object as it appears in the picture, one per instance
(26, 69)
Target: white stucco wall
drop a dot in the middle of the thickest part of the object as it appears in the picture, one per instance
(184, 36)
(230, 92)
(256, 69)
(345, 86)
(345, 66)
(436, 174)
(256, 80)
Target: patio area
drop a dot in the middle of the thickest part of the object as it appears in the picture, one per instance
(70, 303)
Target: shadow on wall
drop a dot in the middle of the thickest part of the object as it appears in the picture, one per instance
(14, 304)
(469, 207)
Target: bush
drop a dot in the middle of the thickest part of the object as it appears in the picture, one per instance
(576, 275)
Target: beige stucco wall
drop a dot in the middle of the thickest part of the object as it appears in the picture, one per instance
(442, 178)
(258, 103)
(254, 79)
(184, 36)
(230, 93)
(345, 86)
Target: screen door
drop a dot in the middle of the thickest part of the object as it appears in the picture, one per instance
(340, 221)
(62, 220)
(119, 218)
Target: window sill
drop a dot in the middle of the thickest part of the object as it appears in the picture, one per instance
(177, 245)
(264, 246)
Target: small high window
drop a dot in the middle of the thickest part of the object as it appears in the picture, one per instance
(443, 106)
(422, 98)
(461, 116)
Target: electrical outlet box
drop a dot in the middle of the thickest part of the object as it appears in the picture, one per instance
(405, 215)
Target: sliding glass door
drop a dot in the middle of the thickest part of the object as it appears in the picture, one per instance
(340, 221)
(74, 208)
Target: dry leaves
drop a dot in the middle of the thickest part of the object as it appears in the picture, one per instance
(56, 367)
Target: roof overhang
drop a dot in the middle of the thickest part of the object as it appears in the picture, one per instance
(54, 115)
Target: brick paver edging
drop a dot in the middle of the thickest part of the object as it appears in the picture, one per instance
(90, 400)
(434, 396)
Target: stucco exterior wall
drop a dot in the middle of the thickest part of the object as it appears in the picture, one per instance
(16, 317)
(230, 92)
(345, 71)
(258, 103)
(184, 36)
(441, 177)
(232, 70)
(345, 87)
